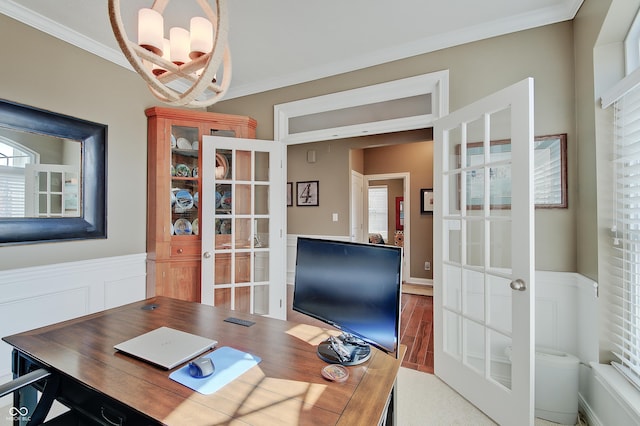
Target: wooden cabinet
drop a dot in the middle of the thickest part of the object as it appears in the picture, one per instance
(174, 142)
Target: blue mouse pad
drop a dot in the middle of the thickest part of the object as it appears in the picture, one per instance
(230, 363)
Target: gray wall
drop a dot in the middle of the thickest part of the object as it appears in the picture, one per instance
(476, 69)
(44, 72)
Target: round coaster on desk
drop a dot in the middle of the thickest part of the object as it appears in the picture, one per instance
(335, 373)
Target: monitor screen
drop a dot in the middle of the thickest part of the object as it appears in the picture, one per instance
(353, 286)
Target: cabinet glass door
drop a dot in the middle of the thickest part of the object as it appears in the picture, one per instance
(184, 180)
(242, 227)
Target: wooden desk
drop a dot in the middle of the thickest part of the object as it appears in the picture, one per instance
(285, 388)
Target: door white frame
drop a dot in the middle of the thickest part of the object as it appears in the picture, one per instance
(435, 83)
(406, 184)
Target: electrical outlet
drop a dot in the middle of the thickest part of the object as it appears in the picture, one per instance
(427, 266)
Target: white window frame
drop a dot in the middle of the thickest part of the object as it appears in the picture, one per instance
(13, 176)
(383, 211)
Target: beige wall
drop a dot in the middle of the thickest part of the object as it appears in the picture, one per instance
(476, 69)
(417, 160)
(44, 72)
(81, 85)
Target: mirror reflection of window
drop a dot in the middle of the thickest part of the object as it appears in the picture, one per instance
(40, 176)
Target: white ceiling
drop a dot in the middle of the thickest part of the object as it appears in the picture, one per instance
(277, 43)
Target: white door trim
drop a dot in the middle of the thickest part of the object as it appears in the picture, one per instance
(406, 184)
(435, 83)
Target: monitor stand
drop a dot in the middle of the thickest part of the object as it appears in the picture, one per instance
(345, 350)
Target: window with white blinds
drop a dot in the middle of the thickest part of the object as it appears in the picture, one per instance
(379, 211)
(624, 306)
(11, 191)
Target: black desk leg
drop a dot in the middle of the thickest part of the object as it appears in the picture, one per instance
(27, 409)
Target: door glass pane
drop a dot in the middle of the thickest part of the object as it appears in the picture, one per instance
(243, 165)
(475, 242)
(454, 148)
(261, 299)
(242, 300)
(452, 332)
(261, 267)
(56, 204)
(223, 164)
(500, 248)
(473, 304)
(222, 298)
(475, 142)
(500, 362)
(261, 233)
(475, 187)
(261, 171)
(453, 289)
(242, 194)
(222, 272)
(454, 235)
(474, 354)
(261, 199)
(243, 234)
(499, 295)
(500, 185)
(454, 182)
(243, 268)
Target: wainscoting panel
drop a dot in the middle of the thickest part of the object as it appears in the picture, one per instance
(43, 295)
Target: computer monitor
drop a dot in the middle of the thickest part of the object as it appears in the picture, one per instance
(355, 287)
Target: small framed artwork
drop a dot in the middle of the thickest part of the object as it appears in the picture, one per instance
(399, 213)
(289, 194)
(426, 201)
(307, 193)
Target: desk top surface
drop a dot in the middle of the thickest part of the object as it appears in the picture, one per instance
(285, 388)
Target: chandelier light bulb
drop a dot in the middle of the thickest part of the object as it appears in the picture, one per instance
(150, 30)
(179, 45)
(201, 36)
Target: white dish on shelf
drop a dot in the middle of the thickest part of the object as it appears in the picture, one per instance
(196, 227)
(173, 141)
(183, 143)
(182, 170)
(183, 227)
(184, 200)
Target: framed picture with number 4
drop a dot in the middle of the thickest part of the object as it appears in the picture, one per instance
(307, 193)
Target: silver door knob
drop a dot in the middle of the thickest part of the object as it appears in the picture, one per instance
(518, 285)
(206, 254)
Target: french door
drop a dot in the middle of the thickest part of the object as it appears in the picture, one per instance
(484, 253)
(242, 230)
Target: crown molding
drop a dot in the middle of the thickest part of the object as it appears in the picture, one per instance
(545, 16)
(64, 33)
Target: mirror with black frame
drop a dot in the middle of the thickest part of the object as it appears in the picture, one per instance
(52, 176)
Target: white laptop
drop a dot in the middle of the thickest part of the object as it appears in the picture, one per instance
(166, 347)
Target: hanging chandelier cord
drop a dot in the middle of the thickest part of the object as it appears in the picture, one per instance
(209, 62)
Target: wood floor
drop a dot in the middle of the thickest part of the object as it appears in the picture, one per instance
(416, 332)
(416, 329)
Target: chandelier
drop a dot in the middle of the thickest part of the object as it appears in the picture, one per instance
(188, 58)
